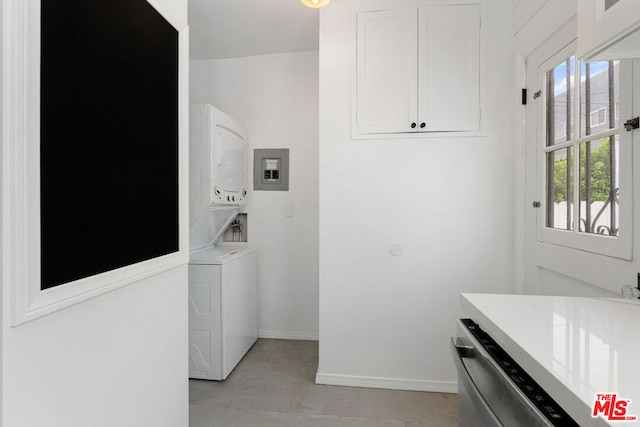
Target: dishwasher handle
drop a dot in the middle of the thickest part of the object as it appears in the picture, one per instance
(460, 351)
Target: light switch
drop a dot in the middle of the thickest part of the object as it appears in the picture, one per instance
(288, 210)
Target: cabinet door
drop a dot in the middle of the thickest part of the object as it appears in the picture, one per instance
(387, 71)
(449, 81)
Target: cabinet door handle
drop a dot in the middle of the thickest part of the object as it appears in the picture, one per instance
(413, 125)
(422, 125)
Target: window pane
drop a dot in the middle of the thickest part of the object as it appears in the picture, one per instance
(599, 94)
(560, 85)
(599, 186)
(560, 189)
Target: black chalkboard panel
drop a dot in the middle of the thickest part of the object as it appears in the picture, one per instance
(108, 137)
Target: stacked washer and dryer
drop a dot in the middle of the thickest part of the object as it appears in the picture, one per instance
(223, 312)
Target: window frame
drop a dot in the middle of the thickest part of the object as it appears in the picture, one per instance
(617, 247)
(21, 175)
(597, 114)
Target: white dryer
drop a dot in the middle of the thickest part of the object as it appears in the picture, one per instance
(223, 312)
(217, 173)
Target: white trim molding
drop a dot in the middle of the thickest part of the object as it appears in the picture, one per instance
(21, 175)
(288, 335)
(387, 383)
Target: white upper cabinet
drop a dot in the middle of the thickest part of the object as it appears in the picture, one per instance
(608, 29)
(418, 70)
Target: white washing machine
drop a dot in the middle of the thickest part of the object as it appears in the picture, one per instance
(223, 303)
(223, 310)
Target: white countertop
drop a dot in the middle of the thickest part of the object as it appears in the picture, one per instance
(573, 347)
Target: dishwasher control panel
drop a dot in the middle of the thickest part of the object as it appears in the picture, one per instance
(551, 410)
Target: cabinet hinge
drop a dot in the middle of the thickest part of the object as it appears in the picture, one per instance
(524, 96)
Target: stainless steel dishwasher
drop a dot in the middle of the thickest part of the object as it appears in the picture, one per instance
(493, 390)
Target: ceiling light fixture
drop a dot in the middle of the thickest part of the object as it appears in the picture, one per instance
(315, 3)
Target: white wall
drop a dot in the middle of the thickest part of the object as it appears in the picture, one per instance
(119, 359)
(116, 360)
(386, 321)
(276, 98)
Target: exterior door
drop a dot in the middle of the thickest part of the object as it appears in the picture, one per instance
(579, 158)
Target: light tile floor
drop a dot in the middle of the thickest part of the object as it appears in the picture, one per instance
(274, 386)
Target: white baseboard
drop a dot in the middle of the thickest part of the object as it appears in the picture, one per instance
(288, 335)
(387, 383)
